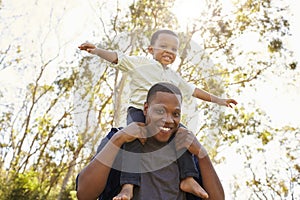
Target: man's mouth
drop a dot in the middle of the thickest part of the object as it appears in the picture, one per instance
(166, 129)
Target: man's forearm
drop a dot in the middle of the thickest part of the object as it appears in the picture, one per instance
(210, 179)
(92, 179)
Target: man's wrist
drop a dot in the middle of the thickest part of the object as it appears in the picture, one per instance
(118, 139)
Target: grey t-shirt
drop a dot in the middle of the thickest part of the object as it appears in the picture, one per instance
(161, 180)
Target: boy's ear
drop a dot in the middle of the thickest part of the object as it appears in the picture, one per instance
(150, 49)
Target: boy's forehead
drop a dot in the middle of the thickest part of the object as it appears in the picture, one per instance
(165, 36)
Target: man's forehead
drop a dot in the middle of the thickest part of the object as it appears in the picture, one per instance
(165, 106)
(166, 97)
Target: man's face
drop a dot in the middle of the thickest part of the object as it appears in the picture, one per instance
(165, 49)
(163, 115)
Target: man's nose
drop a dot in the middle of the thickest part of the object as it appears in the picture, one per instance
(168, 118)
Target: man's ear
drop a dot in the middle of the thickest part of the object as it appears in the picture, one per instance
(150, 49)
(145, 108)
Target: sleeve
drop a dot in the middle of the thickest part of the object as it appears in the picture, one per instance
(186, 88)
(127, 63)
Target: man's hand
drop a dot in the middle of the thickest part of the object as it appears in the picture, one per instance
(135, 130)
(186, 139)
(89, 47)
(183, 138)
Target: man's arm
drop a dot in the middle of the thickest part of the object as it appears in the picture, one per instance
(92, 179)
(210, 179)
(205, 96)
(110, 56)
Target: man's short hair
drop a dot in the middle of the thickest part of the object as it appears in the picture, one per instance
(157, 33)
(163, 87)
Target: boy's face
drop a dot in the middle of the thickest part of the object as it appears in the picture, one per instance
(163, 114)
(165, 49)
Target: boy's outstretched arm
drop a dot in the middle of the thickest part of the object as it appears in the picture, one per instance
(205, 96)
(110, 56)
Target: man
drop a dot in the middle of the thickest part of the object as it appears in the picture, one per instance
(159, 172)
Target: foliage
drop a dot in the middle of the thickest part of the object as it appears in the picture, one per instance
(22, 186)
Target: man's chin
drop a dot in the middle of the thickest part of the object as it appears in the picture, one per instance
(163, 136)
(162, 140)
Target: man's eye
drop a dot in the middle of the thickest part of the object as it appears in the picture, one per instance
(160, 111)
(176, 114)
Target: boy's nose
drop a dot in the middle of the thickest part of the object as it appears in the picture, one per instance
(170, 51)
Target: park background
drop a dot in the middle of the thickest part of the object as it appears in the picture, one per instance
(57, 102)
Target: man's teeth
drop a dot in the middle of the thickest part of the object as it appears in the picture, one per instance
(165, 129)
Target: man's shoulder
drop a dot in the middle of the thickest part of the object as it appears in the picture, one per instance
(113, 131)
(107, 138)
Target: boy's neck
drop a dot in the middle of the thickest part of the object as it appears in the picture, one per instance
(163, 66)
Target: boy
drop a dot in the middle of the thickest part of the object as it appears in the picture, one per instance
(143, 73)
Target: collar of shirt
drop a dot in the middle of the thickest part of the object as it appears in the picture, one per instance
(155, 61)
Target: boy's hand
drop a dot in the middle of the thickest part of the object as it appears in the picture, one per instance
(89, 47)
(227, 102)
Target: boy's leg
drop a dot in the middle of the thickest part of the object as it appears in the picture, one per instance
(186, 163)
(131, 157)
(187, 166)
(189, 174)
(135, 115)
(131, 161)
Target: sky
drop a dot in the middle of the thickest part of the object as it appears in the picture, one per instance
(28, 23)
